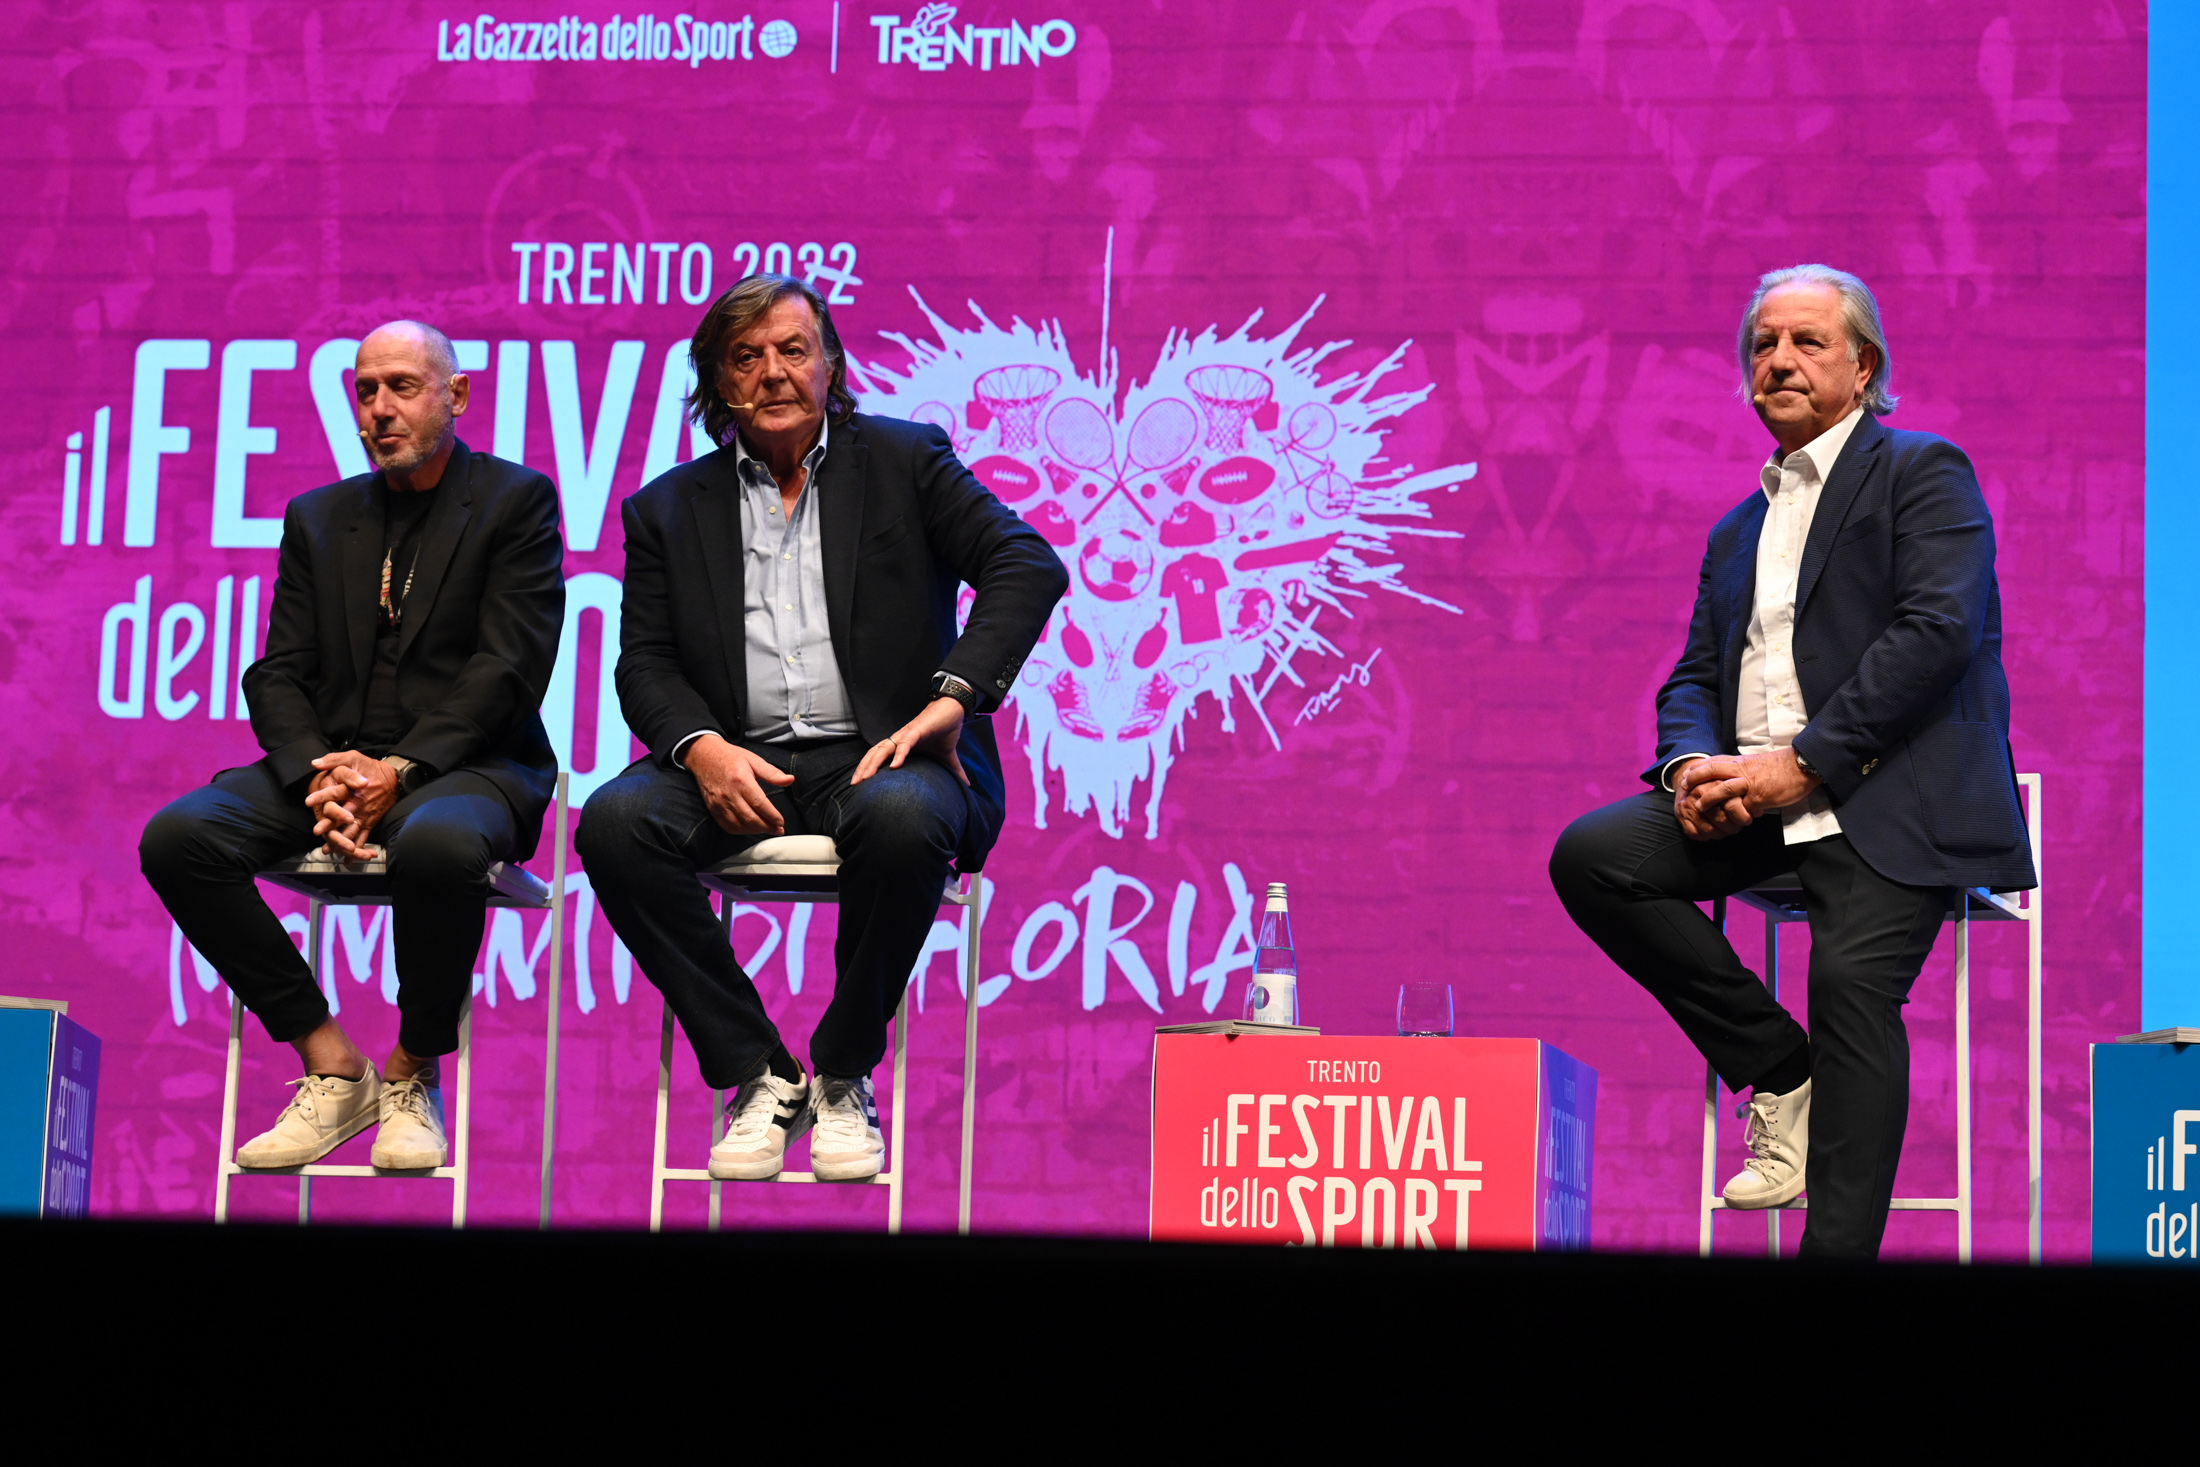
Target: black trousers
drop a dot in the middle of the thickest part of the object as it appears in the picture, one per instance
(645, 835)
(200, 853)
(1630, 878)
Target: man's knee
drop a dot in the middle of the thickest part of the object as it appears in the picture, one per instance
(436, 851)
(1578, 853)
(175, 838)
(621, 826)
(903, 814)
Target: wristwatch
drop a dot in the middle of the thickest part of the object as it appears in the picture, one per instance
(403, 768)
(1804, 764)
(947, 685)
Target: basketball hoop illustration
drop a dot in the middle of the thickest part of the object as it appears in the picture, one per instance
(1229, 396)
(1014, 396)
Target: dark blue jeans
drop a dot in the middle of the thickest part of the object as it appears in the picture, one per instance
(645, 835)
(200, 853)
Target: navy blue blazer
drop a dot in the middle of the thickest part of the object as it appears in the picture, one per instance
(1898, 649)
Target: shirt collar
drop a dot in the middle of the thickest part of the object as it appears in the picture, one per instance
(1817, 456)
(743, 459)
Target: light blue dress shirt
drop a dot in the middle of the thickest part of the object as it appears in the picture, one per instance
(795, 689)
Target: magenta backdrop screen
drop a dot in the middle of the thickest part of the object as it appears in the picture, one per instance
(1371, 365)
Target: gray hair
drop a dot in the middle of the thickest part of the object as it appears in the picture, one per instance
(1859, 320)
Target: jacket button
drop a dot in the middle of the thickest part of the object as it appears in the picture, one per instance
(1871, 766)
(1001, 683)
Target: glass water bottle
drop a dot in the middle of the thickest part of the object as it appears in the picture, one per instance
(1272, 993)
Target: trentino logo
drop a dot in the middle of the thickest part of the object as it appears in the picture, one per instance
(645, 37)
(930, 43)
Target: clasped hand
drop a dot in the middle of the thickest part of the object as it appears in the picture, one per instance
(351, 794)
(1717, 797)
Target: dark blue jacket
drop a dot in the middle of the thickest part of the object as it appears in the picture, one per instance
(904, 526)
(1898, 649)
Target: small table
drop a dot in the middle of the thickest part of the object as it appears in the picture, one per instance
(1371, 1142)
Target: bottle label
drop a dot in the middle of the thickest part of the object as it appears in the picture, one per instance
(1273, 999)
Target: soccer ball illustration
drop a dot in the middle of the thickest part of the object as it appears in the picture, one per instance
(1116, 565)
(1210, 516)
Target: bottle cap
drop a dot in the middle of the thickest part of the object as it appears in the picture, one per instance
(1276, 893)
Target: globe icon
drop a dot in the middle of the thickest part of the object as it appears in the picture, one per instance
(777, 37)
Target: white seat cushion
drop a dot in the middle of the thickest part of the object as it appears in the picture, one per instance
(788, 850)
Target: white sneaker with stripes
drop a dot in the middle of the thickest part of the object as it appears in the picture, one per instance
(845, 1145)
(762, 1118)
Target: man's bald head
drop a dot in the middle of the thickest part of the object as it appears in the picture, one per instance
(431, 343)
(409, 391)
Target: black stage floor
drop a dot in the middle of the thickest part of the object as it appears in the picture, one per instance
(1009, 1308)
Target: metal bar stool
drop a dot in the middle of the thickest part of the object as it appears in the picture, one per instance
(806, 869)
(1781, 900)
(328, 882)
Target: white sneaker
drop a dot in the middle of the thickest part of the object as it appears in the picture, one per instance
(1779, 1140)
(324, 1114)
(846, 1146)
(411, 1138)
(762, 1118)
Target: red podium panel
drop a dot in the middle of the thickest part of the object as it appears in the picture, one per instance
(1370, 1142)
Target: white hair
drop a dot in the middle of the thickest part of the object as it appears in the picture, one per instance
(1859, 320)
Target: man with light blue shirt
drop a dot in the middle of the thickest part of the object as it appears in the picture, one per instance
(1839, 712)
(789, 654)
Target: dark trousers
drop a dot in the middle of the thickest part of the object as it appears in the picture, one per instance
(200, 854)
(1631, 879)
(645, 835)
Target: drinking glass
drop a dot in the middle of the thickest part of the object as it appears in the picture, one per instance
(1424, 1010)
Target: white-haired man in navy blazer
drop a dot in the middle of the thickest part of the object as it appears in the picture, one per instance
(1840, 712)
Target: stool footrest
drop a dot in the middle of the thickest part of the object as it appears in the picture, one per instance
(1898, 1204)
(318, 1169)
(696, 1174)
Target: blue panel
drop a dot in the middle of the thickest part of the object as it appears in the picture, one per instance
(70, 1111)
(2171, 943)
(1565, 1152)
(26, 1038)
(2146, 1154)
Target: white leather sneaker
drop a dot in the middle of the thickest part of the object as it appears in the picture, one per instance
(762, 1118)
(411, 1138)
(324, 1114)
(846, 1145)
(1779, 1142)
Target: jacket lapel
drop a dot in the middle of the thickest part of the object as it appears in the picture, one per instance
(716, 508)
(1737, 589)
(362, 580)
(1834, 504)
(840, 481)
(439, 538)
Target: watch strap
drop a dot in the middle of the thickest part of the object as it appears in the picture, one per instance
(947, 685)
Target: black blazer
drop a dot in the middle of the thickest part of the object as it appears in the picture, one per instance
(480, 631)
(903, 524)
(1898, 649)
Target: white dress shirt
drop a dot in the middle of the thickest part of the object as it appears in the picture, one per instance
(794, 684)
(1769, 710)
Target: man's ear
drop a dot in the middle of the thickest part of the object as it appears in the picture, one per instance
(461, 388)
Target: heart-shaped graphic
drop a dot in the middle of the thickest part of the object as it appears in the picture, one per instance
(1205, 540)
